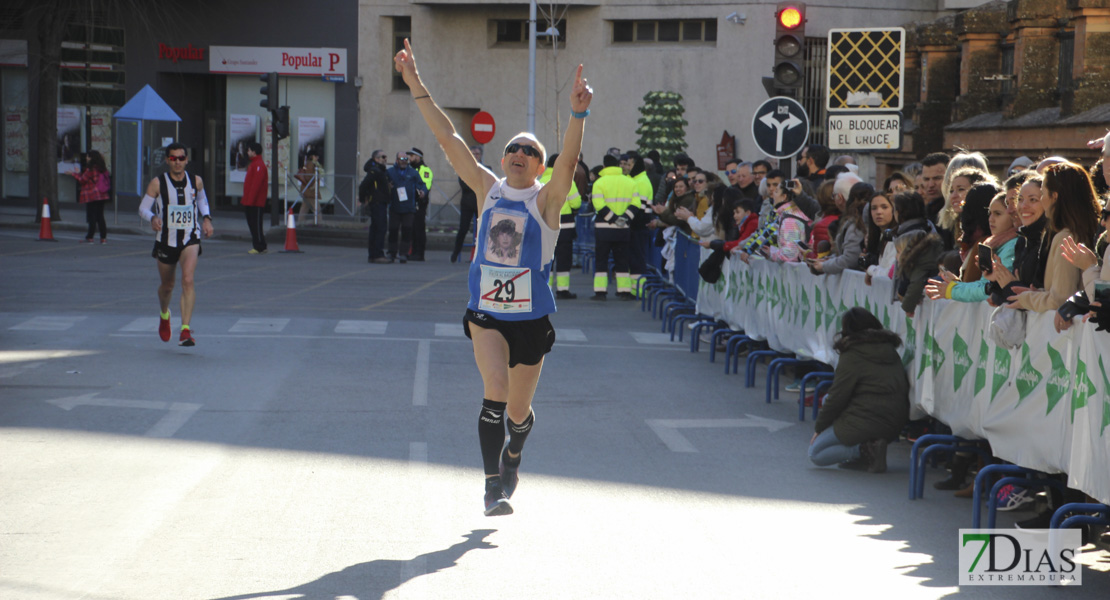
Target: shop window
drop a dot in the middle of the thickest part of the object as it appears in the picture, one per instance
(402, 28)
(670, 31)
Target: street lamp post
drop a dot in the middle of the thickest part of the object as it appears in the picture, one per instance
(532, 34)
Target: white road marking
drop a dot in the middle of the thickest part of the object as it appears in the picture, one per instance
(420, 382)
(146, 324)
(669, 432)
(570, 335)
(255, 325)
(643, 337)
(362, 327)
(418, 453)
(48, 324)
(179, 412)
(449, 330)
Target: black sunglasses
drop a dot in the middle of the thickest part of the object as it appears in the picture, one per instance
(525, 148)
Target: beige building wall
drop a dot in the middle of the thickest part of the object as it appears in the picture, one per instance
(466, 71)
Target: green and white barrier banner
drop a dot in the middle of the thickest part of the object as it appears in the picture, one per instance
(1045, 405)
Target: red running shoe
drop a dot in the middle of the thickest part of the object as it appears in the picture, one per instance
(186, 338)
(164, 329)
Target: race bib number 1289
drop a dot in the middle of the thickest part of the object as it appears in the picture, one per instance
(180, 216)
(505, 290)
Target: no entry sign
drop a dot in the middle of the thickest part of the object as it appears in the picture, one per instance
(482, 127)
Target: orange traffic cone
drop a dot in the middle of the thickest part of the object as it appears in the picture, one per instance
(291, 233)
(46, 234)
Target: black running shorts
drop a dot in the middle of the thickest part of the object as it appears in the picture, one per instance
(528, 340)
(169, 255)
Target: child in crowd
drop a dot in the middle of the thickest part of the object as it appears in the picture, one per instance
(1002, 242)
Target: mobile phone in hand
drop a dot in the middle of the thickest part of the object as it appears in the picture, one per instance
(1102, 292)
(804, 246)
(986, 258)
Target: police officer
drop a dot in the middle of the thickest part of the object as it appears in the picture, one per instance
(420, 219)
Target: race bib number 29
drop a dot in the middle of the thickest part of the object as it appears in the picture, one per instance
(180, 216)
(505, 290)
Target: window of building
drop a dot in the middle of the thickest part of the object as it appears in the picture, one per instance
(813, 94)
(1007, 72)
(665, 31)
(402, 28)
(1067, 56)
(93, 59)
(515, 31)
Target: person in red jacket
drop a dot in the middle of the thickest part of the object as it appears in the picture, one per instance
(254, 197)
(746, 215)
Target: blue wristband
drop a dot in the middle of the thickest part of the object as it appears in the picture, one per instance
(580, 115)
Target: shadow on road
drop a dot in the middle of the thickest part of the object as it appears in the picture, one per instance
(371, 580)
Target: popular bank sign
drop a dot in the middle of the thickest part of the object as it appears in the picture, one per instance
(328, 63)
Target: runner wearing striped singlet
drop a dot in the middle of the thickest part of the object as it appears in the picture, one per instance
(510, 300)
(177, 208)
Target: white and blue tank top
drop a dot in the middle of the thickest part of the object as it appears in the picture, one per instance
(512, 260)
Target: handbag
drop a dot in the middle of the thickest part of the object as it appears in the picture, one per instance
(1007, 328)
(710, 269)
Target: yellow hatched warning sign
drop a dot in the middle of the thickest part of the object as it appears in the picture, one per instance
(866, 69)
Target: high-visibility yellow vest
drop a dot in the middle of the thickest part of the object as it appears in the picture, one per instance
(573, 203)
(426, 175)
(615, 195)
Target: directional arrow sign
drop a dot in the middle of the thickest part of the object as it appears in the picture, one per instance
(780, 127)
(179, 412)
(668, 430)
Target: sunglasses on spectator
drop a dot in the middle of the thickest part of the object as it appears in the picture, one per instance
(525, 148)
(759, 172)
(699, 181)
(732, 171)
(176, 158)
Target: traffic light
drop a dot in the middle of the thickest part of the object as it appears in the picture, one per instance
(790, 37)
(270, 90)
(281, 122)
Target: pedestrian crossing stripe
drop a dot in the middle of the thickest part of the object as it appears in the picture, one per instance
(347, 327)
(48, 324)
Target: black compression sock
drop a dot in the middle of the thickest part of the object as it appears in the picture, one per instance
(519, 433)
(491, 434)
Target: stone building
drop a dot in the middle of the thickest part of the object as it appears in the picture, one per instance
(1024, 77)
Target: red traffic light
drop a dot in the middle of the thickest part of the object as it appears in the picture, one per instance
(790, 17)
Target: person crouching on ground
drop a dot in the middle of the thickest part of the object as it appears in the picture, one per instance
(869, 401)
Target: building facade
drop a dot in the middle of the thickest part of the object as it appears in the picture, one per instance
(204, 60)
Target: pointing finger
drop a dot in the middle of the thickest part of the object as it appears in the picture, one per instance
(578, 75)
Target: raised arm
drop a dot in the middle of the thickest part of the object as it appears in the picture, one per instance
(563, 175)
(458, 154)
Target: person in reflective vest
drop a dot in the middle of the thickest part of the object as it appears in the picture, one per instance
(420, 218)
(640, 243)
(617, 201)
(564, 248)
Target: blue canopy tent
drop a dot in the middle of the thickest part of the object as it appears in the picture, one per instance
(135, 155)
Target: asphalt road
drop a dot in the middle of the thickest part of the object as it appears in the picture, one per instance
(319, 442)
